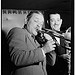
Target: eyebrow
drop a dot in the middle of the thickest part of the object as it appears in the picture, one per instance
(54, 18)
(36, 18)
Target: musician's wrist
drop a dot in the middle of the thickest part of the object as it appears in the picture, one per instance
(43, 52)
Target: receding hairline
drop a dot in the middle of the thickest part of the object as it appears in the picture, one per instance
(34, 12)
(39, 13)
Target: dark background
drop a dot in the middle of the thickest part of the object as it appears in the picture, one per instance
(37, 4)
(63, 7)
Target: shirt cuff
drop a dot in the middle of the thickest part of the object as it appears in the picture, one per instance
(43, 52)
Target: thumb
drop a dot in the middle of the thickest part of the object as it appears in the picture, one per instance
(48, 37)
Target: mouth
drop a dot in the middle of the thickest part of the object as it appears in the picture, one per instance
(37, 29)
(56, 25)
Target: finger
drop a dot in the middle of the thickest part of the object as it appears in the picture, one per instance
(53, 48)
(48, 37)
(51, 41)
(54, 45)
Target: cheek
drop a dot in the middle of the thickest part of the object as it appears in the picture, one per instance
(33, 25)
(60, 22)
(52, 23)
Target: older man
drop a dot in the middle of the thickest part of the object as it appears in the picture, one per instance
(25, 51)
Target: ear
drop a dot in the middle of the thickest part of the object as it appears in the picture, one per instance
(61, 21)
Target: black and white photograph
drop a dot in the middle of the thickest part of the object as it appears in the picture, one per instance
(36, 37)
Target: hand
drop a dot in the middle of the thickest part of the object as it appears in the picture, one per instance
(67, 57)
(49, 46)
(47, 36)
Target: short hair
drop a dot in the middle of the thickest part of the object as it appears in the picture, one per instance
(32, 12)
(54, 14)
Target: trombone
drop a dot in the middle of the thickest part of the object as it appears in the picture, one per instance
(55, 33)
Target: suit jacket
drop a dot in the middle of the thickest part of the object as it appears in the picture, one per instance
(56, 65)
(59, 50)
(25, 53)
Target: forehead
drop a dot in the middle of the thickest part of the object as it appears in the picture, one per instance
(55, 16)
(38, 16)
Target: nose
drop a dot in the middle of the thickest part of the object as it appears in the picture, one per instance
(56, 22)
(38, 27)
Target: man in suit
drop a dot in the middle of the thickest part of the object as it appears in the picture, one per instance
(57, 61)
(25, 51)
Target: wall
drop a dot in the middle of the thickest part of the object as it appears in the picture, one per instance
(10, 20)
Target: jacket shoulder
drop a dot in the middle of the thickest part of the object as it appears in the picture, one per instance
(16, 30)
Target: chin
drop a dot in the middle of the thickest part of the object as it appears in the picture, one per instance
(57, 29)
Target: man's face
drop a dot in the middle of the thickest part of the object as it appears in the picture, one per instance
(35, 23)
(55, 21)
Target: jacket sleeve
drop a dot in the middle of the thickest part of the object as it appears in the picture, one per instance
(18, 49)
(51, 58)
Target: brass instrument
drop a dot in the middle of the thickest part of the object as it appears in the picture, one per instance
(42, 40)
(56, 34)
